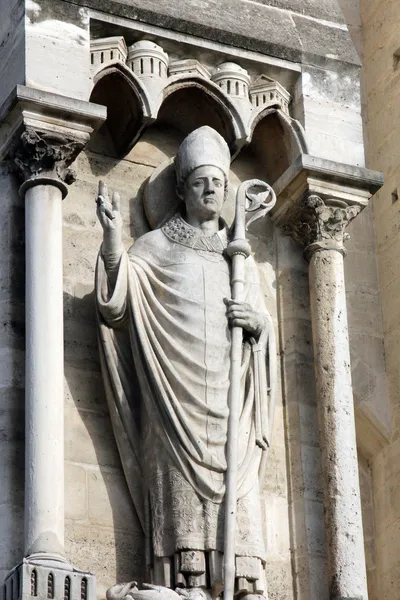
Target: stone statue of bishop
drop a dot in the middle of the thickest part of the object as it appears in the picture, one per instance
(165, 313)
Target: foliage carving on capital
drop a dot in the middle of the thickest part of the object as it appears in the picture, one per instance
(46, 154)
(320, 224)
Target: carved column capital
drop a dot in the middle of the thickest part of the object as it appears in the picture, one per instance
(319, 224)
(318, 198)
(43, 133)
(46, 154)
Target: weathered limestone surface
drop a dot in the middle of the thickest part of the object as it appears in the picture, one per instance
(363, 295)
(328, 105)
(57, 35)
(301, 423)
(337, 426)
(12, 46)
(102, 532)
(12, 359)
(51, 33)
(369, 528)
(352, 17)
(381, 72)
(292, 35)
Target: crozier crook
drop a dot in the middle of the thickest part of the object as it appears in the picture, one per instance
(238, 250)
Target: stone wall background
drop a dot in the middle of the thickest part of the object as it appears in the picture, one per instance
(381, 75)
(102, 532)
(12, 364)
(12, 46)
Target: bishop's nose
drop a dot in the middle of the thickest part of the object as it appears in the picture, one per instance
(209, 187)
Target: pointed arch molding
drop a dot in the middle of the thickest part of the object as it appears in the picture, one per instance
(294, 131)
(129, 107)
(232, 116)
(137, 87)
(136, 99)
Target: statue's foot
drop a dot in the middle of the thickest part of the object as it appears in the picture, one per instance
(130, 591)
(248, 596)
(197, 594)
(120, 590)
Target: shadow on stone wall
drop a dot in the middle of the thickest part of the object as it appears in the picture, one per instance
(103, 533)
(305, 495)
(12, 368)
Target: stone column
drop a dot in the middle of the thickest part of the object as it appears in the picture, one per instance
(49, 132)
(321, 229)
(44, 393)
(41, 161)
(316, 199)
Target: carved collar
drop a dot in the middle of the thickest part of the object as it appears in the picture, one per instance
(180, 232)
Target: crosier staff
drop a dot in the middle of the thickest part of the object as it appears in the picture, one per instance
(238, 250)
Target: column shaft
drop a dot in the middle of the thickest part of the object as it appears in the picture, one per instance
(44, 404)
(343, 519)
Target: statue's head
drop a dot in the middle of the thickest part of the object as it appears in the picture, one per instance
(202, 169)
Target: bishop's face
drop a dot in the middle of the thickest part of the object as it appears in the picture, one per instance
(204, 193)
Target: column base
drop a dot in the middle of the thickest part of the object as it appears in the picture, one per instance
(36, 578)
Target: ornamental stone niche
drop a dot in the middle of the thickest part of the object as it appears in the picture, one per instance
(284, 114)
(252, 114)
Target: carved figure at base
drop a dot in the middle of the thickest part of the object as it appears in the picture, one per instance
(165, 315)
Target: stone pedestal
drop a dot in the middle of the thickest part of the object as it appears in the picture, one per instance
(43, 134)
(47, 580)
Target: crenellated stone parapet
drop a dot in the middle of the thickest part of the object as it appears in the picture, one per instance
(265, 92)
(106, 50)
(152, 75)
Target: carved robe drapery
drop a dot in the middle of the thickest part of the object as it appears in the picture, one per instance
(165, 343)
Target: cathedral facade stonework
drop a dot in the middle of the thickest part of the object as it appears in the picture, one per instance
(95, 493)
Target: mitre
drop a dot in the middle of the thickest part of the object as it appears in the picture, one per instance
(204, 146)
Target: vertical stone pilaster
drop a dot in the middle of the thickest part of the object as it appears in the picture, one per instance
(316, 200)
(320, 227)
(42, 152)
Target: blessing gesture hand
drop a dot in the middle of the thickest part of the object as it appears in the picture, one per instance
(110, 219)
(108, 212)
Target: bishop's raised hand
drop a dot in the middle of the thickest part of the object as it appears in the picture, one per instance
(108, 212)
(109, 215)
